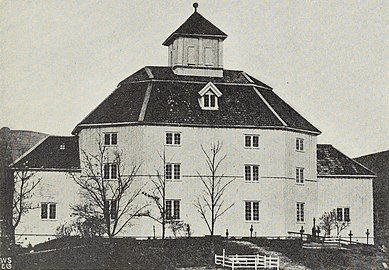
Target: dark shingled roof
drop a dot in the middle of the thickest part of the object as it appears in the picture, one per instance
(332, 162)
(47, 154)
(173, 99)
(196, 25)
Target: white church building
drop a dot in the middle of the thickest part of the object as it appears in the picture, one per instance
(280, 177)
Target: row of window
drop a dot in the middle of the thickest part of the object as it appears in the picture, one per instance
(172, 210)
(49, 210)
(173, 172)
(174, 138)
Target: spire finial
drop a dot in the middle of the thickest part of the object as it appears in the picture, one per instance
(195, 5)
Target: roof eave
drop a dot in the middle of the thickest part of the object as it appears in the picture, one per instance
(345, 176)
(170, 39)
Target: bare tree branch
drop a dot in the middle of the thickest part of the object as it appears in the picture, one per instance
(210, 204)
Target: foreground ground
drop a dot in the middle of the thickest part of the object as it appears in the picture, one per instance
(188, 253)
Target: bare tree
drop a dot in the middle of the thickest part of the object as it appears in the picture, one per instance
(109, 188)
(210, 204)
(24, 184)
(329, 221)
(158, 196)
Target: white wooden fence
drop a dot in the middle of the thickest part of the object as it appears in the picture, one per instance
(247, 261)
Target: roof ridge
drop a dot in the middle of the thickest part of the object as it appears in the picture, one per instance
(29, 151)
(375, 153)
(354, 160)
(270, 107)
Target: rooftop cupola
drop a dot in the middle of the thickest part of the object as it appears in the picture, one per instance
(196, 47)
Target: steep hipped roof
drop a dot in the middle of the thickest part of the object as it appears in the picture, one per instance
(333, 163)
(58, 153)
(196, 25)
(155, 95)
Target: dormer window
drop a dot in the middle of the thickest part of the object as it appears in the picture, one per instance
(62, 146)
(209, 100)
(209, 97)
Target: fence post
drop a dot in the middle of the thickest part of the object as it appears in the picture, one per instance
(367, 236)
(224, 257)
(350, 235)
(302, 232)
(256, 262)
(251, 231)
(233, 263)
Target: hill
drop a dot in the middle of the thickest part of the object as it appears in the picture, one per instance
(379, 164)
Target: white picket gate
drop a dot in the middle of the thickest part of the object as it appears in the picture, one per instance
(247, 261)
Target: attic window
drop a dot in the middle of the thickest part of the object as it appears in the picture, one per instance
(62, 146)
(209, 97)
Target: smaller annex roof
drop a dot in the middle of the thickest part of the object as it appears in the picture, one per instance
(333, 163)
(53, 153)
(196, 25)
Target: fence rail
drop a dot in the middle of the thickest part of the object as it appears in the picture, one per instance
(247, 261)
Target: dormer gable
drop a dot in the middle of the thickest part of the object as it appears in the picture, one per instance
(209, 97)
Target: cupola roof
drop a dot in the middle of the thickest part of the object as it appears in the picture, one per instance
(196, 25)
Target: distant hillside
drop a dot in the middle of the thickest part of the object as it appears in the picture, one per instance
(379, 164)
(19, 141)
(13, 143)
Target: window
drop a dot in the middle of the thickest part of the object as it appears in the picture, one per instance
(299, 144)
(173, 171)
(209, 97)
(346, 214)
(300, 211)
(173, 138)
(208, 56)
(210, 100)
(110, 139)
(191, 55)
(111, 206)
(251, 173)
(110, 171)
(48, 211)
(299, 175)
(343, 214)
(251, 141)
(172, 209)
(62, 146)
(252, 210)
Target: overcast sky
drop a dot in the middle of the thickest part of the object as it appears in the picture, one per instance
(60, 59)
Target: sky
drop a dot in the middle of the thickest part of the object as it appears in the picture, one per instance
(327, 59)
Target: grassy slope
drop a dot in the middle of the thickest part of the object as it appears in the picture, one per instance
(185, 252)
(129, 254)
(357, 257)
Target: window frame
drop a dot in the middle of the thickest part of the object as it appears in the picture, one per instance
(110, 171)
(174, 135)
(112, 208)
(300, 176)
(341, 215)
(173, 209)
(110, 139)
(300, 212)
(173, 172)
(252, 213)
(251, 141)
(48, 207)
(251, 172)
(300, 145)
(212, 99)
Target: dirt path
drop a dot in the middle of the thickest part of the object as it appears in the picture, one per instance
(285, 262)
